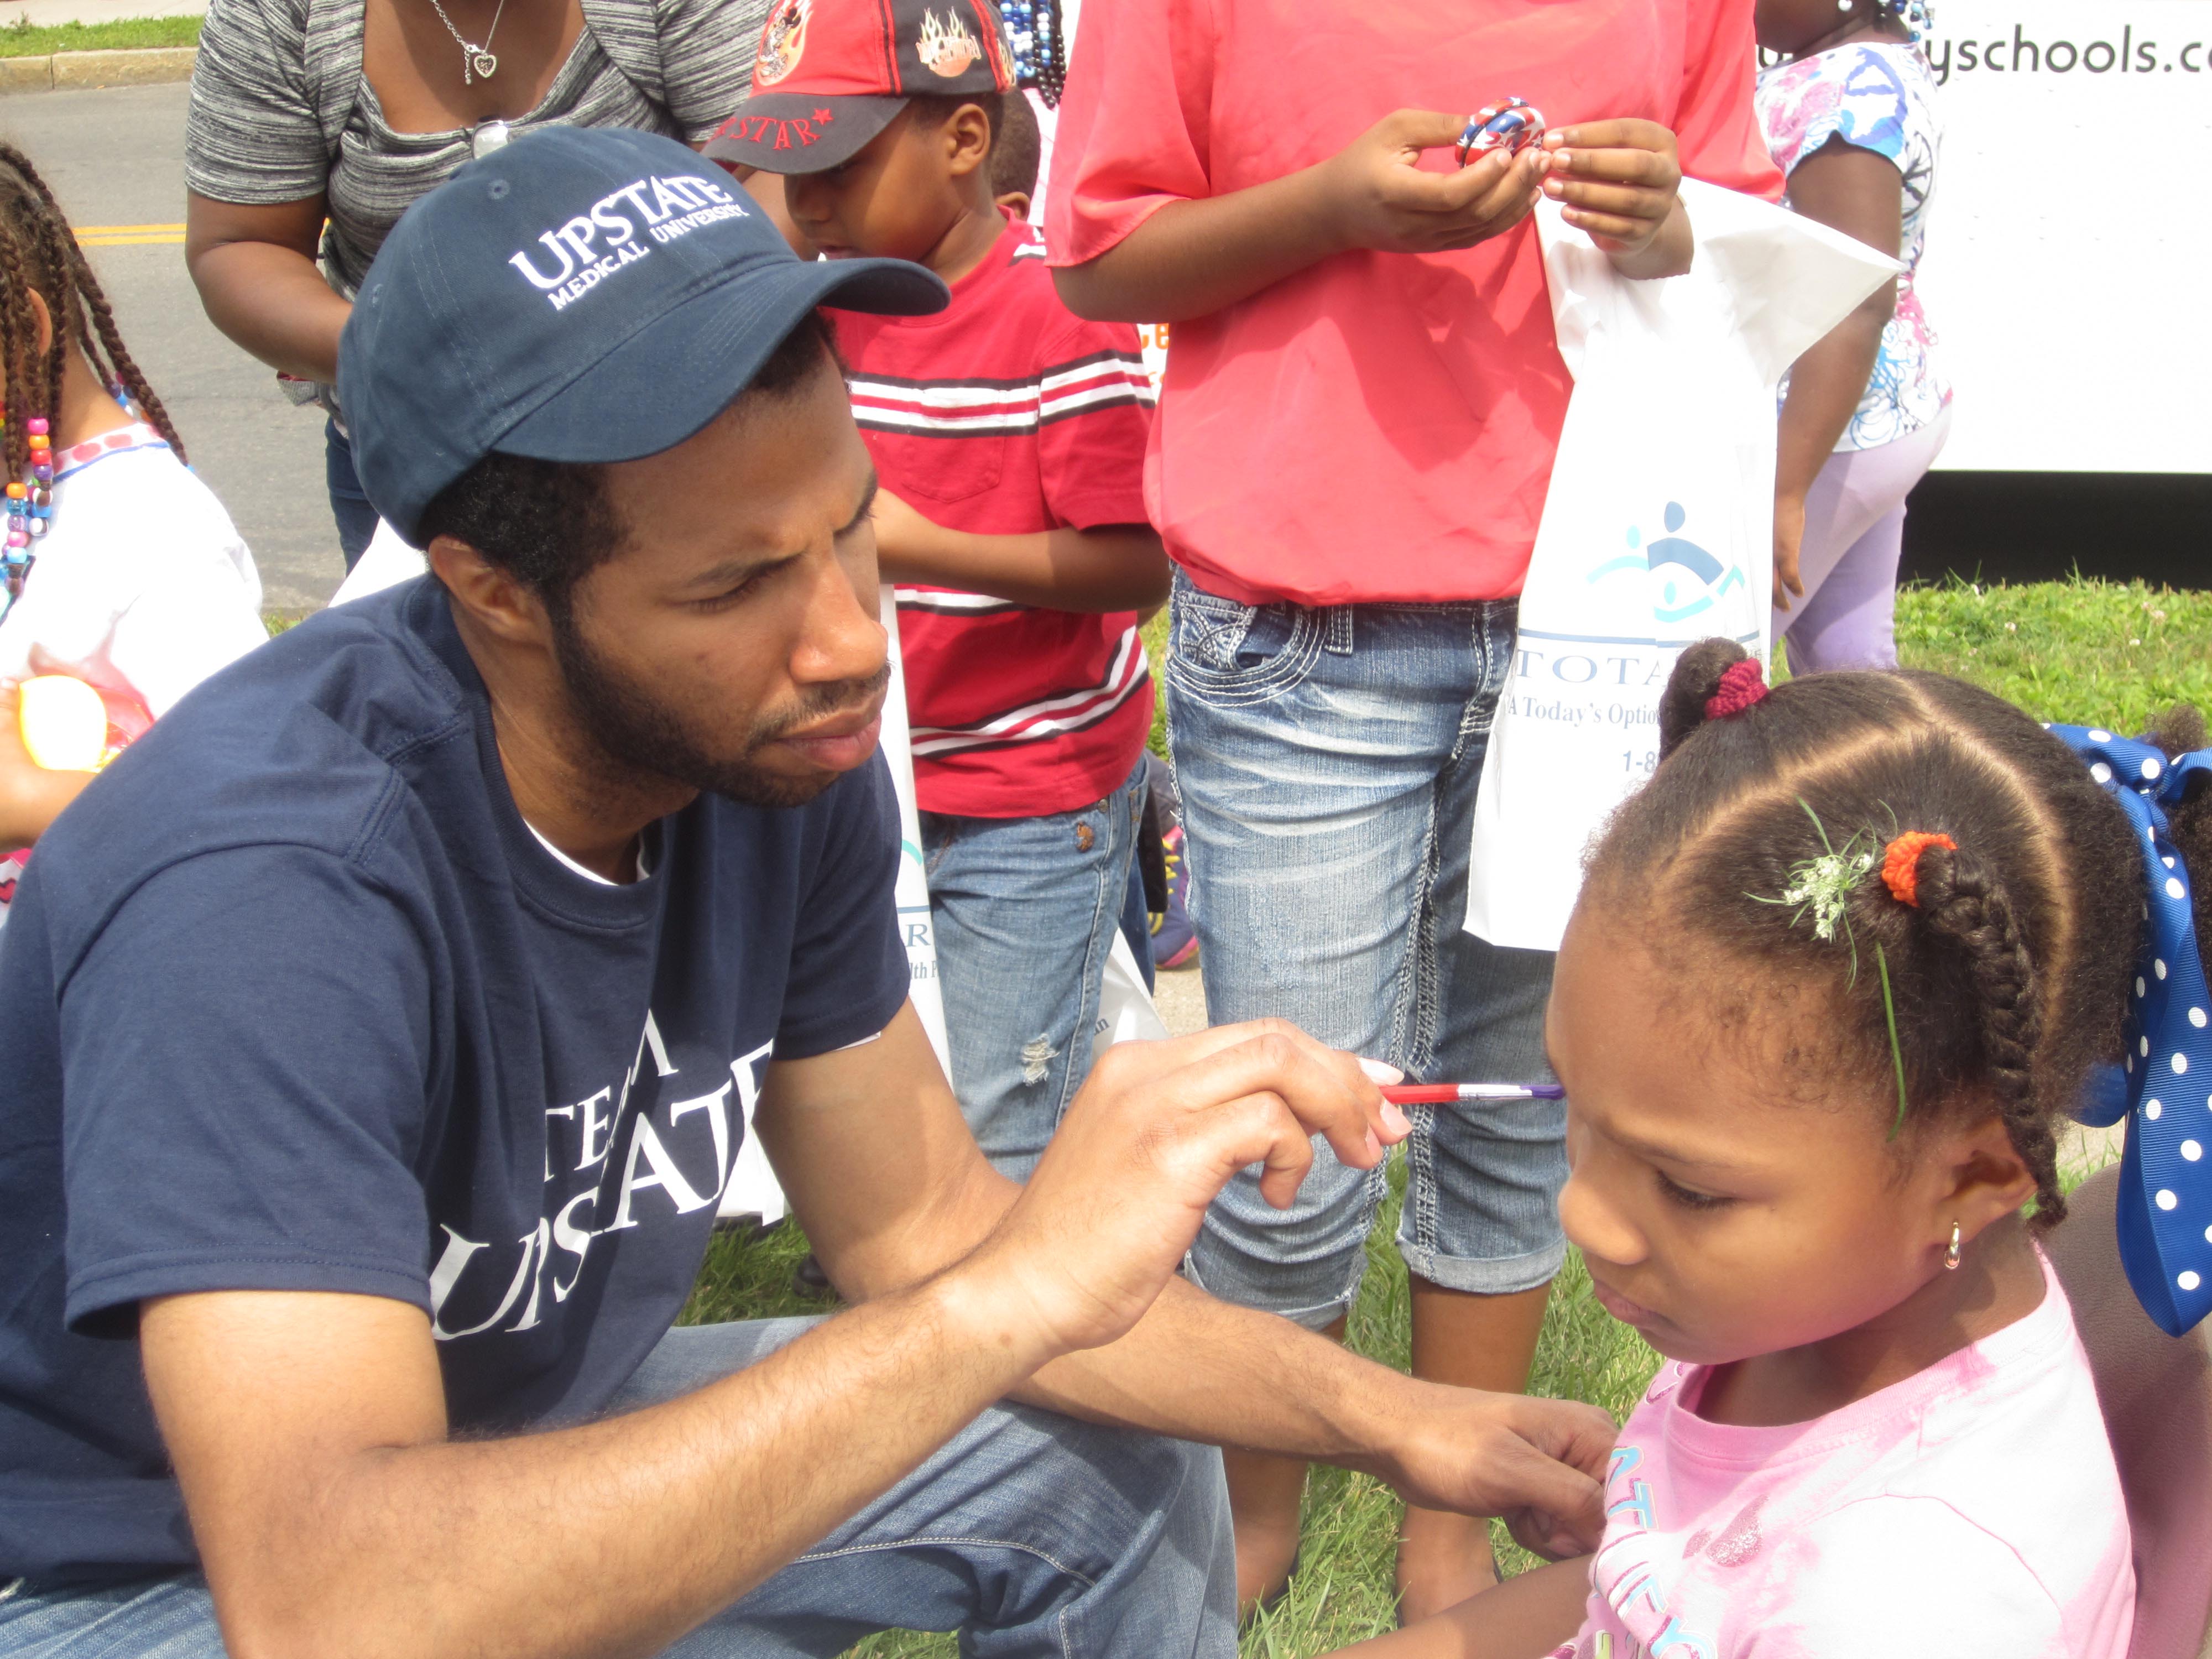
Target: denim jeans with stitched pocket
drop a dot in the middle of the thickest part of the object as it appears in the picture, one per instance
(1024, 911)
(1031, 1533)
(1328, 759)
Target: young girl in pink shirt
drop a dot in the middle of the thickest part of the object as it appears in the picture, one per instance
(1836, 974)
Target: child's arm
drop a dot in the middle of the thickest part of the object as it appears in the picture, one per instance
(1194, 257)
(31, 796)
(1860, 194)
(1112, 567)
(1526, 1617)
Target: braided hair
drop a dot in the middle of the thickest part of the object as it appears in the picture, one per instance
(38, 251)
(2010, 969)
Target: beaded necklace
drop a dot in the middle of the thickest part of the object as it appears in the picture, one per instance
(1040, 45)
(30, 507)
(31, 503)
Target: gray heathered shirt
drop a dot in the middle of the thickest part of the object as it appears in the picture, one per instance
(281, 111)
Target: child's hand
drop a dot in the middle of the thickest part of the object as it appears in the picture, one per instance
(903, 535)
(1788, 538)
(1617, 181)
(1376, 197)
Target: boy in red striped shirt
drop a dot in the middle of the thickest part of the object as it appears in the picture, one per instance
(1009, 437)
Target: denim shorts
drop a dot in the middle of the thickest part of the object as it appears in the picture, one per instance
(1328, 759)
(1024, 911)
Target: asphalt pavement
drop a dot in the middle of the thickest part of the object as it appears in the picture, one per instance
(116, 159)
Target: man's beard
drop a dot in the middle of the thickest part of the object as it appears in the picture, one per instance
(640, 735)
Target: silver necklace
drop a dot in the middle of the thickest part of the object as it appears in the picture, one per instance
(473, 57)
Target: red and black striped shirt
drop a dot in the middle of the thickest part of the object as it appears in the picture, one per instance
(1006, 415)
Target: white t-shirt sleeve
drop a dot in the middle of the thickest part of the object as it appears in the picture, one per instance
(195, 605)
(1907, 1577)
(143, 579)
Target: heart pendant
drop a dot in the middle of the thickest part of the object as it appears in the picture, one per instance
(485, 64)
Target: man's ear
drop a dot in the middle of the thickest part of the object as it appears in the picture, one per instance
(1016, 202)
(488, 595)
(1978, 1177)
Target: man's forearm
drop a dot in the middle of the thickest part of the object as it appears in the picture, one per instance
(1193, 1367)
(668, 1514)
(1198, 1368)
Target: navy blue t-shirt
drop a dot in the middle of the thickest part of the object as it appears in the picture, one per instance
(293, 999)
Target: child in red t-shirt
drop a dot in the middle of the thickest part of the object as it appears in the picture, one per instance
(1354, 439)
(1010, 438)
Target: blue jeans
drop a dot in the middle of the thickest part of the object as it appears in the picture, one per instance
(1328, 760)
(1031, 1533)
(1025, 911)
(349, 503)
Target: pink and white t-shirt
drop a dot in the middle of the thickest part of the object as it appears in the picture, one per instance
(1971, 1510)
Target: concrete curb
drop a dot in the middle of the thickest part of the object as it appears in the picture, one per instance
(69, 71)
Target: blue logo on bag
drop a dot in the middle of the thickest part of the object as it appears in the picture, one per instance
(1693, 580)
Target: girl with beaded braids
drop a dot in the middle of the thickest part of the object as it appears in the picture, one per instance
(121, 567)
(1837, 975)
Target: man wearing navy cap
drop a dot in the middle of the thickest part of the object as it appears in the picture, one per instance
(382, 1028)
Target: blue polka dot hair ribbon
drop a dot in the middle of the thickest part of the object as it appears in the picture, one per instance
(2164, 1086)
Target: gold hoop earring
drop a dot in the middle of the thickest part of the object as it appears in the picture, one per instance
(1951, 1255)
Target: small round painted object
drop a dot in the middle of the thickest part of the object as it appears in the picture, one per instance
(1511, 126)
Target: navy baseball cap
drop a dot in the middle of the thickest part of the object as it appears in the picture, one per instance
(578, 295)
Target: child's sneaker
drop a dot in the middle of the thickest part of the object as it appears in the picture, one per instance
(1175, 943)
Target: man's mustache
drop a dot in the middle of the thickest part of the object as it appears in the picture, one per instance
(826, 702)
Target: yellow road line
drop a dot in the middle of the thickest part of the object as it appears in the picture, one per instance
(127, 235)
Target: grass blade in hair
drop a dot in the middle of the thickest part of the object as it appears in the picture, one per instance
(1896, 1048)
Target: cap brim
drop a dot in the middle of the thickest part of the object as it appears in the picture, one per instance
(785, 131)
(668, 380)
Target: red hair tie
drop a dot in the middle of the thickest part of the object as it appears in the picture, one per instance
(1900, 863)
(1742, 685)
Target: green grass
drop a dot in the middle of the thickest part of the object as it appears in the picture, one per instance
(24, 39)
(2095, 653)
(2087, 652)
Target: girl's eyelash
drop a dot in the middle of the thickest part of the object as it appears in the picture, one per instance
(1678, 1194)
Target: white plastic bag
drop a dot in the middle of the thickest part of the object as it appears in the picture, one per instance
(1126, 1010)
(1658, 530)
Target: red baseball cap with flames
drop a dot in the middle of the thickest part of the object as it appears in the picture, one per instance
(832, 74)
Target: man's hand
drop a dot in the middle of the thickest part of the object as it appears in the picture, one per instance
(1379, 198)
(1153, 1136)
(1789, 539)
(1539, 1463)
(1618, 181)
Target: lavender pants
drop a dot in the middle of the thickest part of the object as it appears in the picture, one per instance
(1854, 532)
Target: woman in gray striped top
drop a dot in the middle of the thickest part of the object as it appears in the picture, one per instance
(346, 110)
